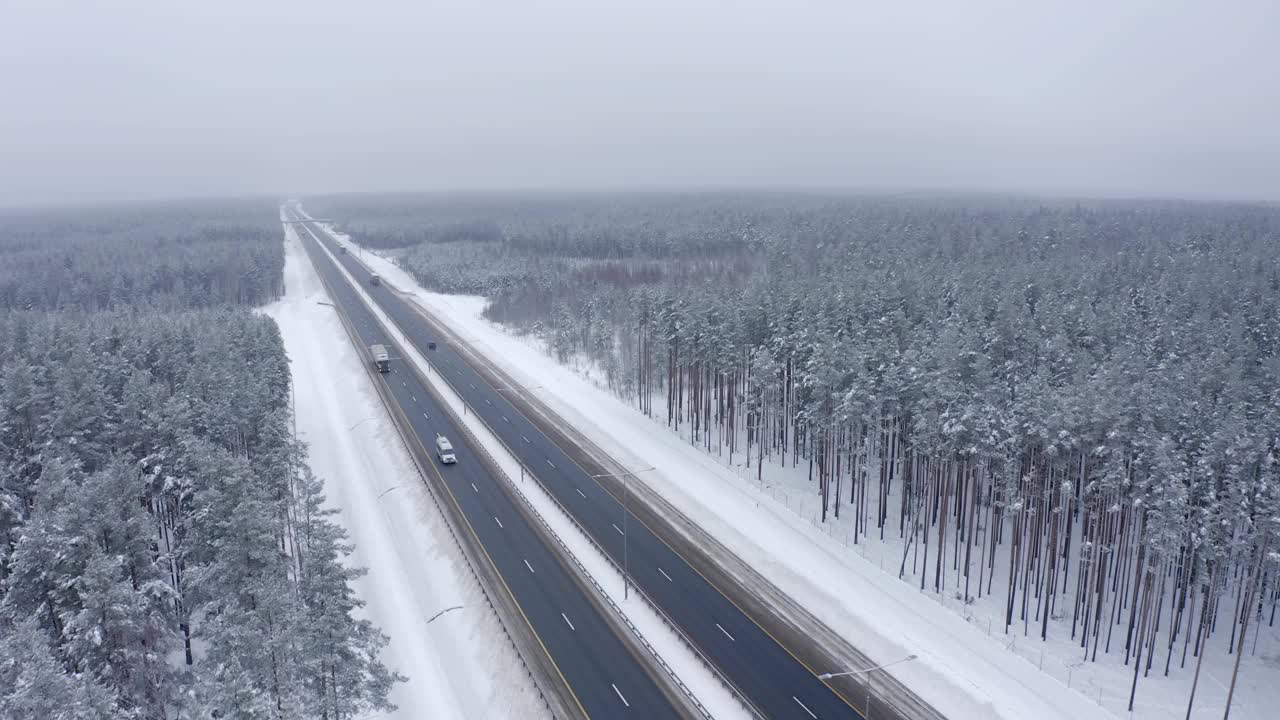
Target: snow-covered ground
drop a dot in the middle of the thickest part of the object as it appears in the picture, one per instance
(458, 665)
(967, 666)
(708, 690)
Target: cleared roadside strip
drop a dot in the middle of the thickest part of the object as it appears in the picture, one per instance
(807, 638)
(673, 702)
(469, 547)
(678, 656)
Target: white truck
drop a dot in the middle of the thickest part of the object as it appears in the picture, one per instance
(381, 359)
(445, 451)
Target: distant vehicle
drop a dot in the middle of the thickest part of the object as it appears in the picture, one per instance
(375, 280)
(445, 450)
(381, 359)
(342, 249)
(431, 345)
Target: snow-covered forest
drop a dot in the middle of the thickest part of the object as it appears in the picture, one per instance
(164, 552)
(1073, 407)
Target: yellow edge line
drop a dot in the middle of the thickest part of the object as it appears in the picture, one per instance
(746, 614)
(396, 407)
(501, 579)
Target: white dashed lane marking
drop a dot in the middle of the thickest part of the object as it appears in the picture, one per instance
(624, 700)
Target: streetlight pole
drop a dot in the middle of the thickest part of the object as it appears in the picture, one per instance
(448, 609)
(828, 676)
(520, 450)
(866, 686)
(626, 493)
(626, 559)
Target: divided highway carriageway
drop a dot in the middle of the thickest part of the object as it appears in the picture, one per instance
(605, 678)
(766, 674)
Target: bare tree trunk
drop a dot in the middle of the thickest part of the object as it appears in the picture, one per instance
(1145, 590)
(1247, 612)
(975, 487)
(944, 487)
(1204, 626)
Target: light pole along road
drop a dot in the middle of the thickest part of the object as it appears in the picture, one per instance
(604, 677)
(767, 675)
(519, 448)
(626, 495)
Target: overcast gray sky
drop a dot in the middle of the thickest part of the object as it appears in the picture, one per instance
(133, 99)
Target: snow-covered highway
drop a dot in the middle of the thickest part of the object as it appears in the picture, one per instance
(765, 671)
(458, 665)
(604, 676)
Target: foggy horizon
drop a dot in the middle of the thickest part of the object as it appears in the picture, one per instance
(144, 101)
(572, 359)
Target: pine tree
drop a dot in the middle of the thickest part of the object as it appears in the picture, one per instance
(33, 684)
(344, 677)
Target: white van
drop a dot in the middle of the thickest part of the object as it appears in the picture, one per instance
(445, 450)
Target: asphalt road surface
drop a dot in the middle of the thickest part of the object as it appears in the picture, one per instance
(606, 679)
(765, 672)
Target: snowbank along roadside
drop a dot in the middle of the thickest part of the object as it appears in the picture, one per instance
(969, 666)
(459, 664)
(717, 699)
(960, 669)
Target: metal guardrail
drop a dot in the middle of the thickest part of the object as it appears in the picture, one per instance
(688, 643)
(697, 704)
(662, 663)
(457, 342)
(393, 410)
(902, 705)
(582, 568)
